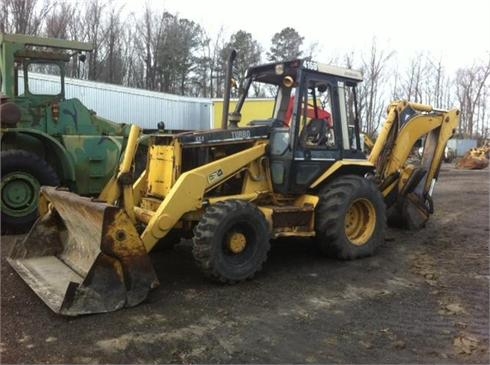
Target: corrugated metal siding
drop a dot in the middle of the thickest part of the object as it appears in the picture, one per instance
(128, 105)
(461, 146)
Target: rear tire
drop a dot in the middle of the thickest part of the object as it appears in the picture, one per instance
(350, 218)
(23, 173)
(231, 241)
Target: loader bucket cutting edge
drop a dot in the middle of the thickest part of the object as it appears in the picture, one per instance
(84, 257)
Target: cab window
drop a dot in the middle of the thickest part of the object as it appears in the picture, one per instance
(35, 86)
(316, 121)
(348, 113)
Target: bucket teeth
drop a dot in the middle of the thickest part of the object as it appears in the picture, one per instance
(84, 257)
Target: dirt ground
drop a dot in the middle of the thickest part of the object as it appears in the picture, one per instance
(424, 298)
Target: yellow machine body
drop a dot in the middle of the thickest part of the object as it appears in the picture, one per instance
(89, 256)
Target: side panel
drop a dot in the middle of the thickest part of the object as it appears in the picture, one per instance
(343, 167)
(75, 118)
(95, 159)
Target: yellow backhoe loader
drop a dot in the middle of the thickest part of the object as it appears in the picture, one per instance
(233, 189)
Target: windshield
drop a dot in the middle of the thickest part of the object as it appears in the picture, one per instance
(264, 102)
(36, 83)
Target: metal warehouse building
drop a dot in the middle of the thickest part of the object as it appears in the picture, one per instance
(127, 105)
(146, 108)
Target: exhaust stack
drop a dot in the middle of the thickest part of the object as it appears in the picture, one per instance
(227, 95)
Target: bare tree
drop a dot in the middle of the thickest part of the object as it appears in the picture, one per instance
(435, 89)
(201, 80)
(416, 73)
(424, 81)
(483, 115)
(472, 89)
(93, 32)
(371, 92)
(311, 50)
(134, 76)
(150, 32)
(58, 21)
(146, 36)
(23, 16)
(217, 76)
(113, 66)
(162, 51)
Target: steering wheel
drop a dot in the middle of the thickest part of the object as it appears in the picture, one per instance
(315, 132)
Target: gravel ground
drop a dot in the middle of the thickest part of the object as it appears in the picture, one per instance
(424, 298)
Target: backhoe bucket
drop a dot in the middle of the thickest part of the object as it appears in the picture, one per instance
(84, 257)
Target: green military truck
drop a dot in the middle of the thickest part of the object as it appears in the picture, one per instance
(47, 139)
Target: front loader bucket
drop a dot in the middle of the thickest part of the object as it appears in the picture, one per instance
(84, 257)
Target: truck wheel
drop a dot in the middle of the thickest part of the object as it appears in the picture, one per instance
(231, 241)
(350, 218)
(22, 175)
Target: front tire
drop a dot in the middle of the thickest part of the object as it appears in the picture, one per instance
(350, 218)
(23, 173)
(231, 241)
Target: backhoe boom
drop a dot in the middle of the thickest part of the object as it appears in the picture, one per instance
(407, 188)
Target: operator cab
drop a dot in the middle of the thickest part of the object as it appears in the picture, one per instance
(27, 56)
(315, 119)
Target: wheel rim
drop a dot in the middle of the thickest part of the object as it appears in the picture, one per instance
(237, 242)
(20, 191)
(360, 222)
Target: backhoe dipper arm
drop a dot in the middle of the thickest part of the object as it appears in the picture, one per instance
(401, 182)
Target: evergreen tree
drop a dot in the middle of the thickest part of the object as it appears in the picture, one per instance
(286, 45)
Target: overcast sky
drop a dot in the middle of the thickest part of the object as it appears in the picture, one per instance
(458, 32)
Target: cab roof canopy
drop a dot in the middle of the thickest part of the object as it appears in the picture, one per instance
(28, 40)
(273, 73)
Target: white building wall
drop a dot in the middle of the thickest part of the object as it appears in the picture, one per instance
(129, 105)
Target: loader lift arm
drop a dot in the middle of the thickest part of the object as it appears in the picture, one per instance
(188, 192)
(86, 256)
(408, 188)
